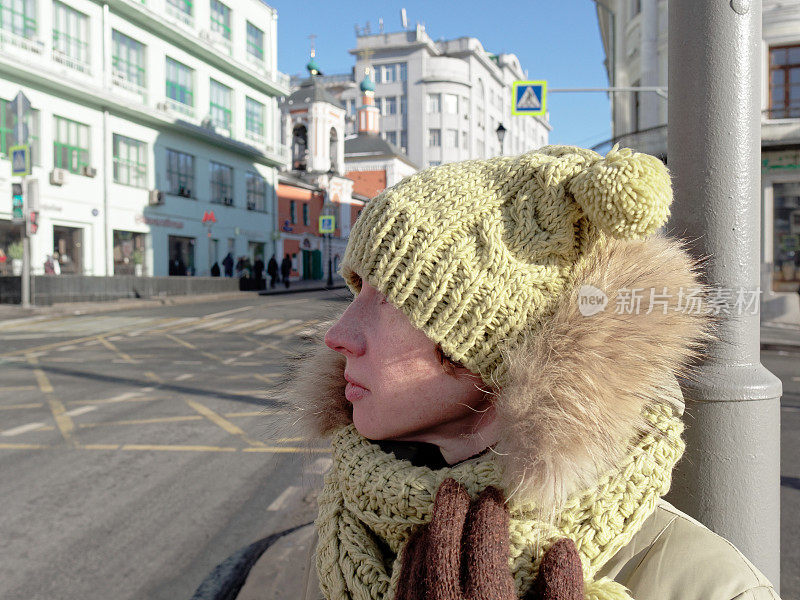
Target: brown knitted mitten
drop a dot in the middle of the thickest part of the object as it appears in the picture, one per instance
(560, 575)
(462, 553)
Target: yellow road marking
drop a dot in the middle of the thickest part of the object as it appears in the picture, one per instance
(222, 422)
(263, 377)
(18, 388)
(284, 449)
(100, 446)
(179, 448)
(145, 421)
(153, 377)
(287, 332)
(116, 350)
(19, 406)
(22, 446)
(63, 420)
(115, 401)
(255, 413)
(79, 340)
(287, 440)
(193, 347)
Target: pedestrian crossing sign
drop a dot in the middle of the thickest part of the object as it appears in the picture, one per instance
(20, 161)
(327, 224)
(528, 97)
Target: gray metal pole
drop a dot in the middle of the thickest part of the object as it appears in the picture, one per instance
(730, 477)
(25, 282)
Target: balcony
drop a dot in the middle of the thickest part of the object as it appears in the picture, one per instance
(256, 138)
(120, 82)
(217, 40)
(170, 105)
(178, 15)
(72, 63)
(10, 40)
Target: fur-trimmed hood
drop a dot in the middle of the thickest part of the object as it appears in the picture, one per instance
(573, 402)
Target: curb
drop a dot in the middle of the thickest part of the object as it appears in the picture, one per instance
(778, 347)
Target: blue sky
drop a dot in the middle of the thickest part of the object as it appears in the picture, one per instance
(556, 41)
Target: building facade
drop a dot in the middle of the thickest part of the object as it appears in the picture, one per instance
(439, 101)
(635, 38)
(155, 132)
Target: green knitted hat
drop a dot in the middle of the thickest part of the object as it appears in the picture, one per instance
(476, 253)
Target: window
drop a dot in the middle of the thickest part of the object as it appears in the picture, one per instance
(434, 103)
(403, 71)
(479, 104)
(403, 105)
(220, 105)
(379, 104)
(254, 118)
(184, 6)
(180, 173)
(70, 145)
(450, 104)
(784, 82)
(130, 161)
(635, 107)
(221, 19)
(255, 42)
(452, 138)
(351, 107)
(70, 37)
(434, 163)
(391, 137)
(256, 192)
(434, 138)
(464, 141)
(305, 214)
(465, 107)
(18, 17)
(636, 7)
(390, 105)
(221, 183)
(180, 84)
(389, 74)
(404, 140)
(8, 124)
(127, 58)
(293, 212)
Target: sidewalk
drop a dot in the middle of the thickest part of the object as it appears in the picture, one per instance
(15, 311)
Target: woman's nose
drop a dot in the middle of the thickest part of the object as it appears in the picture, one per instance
(345, 337)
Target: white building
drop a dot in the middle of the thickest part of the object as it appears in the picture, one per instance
(440, 101)
(147, 116)
(635, 38)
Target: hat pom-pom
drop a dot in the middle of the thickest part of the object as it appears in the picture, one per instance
(626, 194)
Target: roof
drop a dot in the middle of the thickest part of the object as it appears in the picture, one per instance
(311, 90)
(370, 146)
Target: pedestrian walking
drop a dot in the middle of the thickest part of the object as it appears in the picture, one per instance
(272, 271)
(227, 264)
(286, 270)
(503, 421)
(258, 273)
(215, 269)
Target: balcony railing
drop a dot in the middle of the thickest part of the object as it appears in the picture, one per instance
(173, 105)
(179, 15)
(72, 63)
(120, 80)
(9, 39)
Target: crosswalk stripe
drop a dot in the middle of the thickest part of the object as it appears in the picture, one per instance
(158, 323)
(283, 499)
(223, 324)
(251, 324)
(202, 325)
(319, 466)
(277, 327)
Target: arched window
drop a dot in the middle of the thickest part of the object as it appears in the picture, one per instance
(299, 148)
(334, 150)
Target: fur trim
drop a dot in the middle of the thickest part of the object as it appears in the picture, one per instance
(577, 385)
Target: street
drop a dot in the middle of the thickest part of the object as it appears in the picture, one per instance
(140, 448)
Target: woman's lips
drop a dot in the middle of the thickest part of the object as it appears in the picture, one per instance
(354, 392)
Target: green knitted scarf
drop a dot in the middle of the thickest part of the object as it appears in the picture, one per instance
(372, 501)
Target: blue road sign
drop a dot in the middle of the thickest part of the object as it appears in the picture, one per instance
(528, 98)
(327, 224)
(20, 161)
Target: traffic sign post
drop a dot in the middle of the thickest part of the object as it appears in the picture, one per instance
(21, 167)
(20, 160)
(327, 223)
(529, 98)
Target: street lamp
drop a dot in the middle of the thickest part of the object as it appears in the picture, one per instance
(328, 210)
(501, 135)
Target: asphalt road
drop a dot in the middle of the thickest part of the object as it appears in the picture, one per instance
(140, 448)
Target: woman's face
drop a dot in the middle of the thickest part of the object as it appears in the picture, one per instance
(396, 383)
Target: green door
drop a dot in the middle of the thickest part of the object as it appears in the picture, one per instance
(318, 273)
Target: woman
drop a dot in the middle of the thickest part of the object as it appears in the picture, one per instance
(501, 394)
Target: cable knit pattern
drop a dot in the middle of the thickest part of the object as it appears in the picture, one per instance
(475, 253)
(372, 502)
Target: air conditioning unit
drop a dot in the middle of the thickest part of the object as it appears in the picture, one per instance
(58, 176)
(227, 201)
(163, 106)
(88, 171)
(156, 198)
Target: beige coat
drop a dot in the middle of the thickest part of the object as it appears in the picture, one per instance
(572, 409)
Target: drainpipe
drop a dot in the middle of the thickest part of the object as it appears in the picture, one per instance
(730, 477)
(109, 267)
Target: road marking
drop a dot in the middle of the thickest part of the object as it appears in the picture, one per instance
(22, 446)
(222, 422)
(280, 502)
(22, 429)
(163, 325)
(63, 420)
(295, 329)
(145, 421)
(285, 449)
(266, 378)
(184, 377)
(277, 327)
(181, 342)
(21, 406)
(116, 350)
(81, 411)
(100, 446)
(178, 448)
(255, 413)
(18, 388)
(228, 312)
(202, 325)
(66, 348)
(319, 466)
(153, 377)
(193, 347)
(250, 324)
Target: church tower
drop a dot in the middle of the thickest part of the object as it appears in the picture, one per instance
(368, 113)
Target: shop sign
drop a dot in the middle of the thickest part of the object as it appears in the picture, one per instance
(159, 222)
(789, 159)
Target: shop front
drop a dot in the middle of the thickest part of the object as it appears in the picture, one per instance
(68, 249)
(786, 237)
(10, 248)
(181, 255)
(129, 253)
